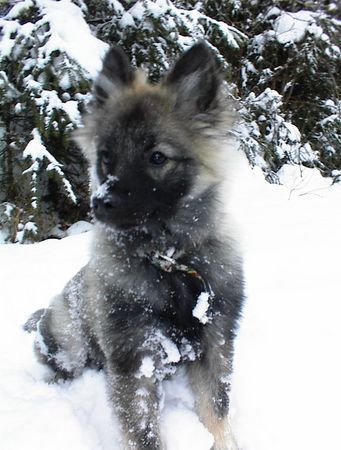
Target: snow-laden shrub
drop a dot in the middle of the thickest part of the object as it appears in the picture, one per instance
(294, 53)
(45, 70)
(154, 33)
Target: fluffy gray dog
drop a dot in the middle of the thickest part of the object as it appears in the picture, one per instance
(164, 285)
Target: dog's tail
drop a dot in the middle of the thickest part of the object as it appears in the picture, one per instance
(32, 322)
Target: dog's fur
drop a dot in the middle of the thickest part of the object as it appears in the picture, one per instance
(160, 154)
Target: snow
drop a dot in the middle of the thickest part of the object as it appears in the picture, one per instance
(37, 152)
(286, 383)
(103, 189)
(6, 43)
(19, 7)
(71, 109)
(79, 227)
(291, 27)
(147, 368)
(69, 32)
(280, 132)
(49, 101)
(127, 20)
(117, 6)
(171, 350)
(311, 184)
(181, 427)
(192, 22)
(201, 308)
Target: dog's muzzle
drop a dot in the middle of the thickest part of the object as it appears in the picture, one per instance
(103, 205)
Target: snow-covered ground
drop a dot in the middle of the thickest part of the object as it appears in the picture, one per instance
(286, 390)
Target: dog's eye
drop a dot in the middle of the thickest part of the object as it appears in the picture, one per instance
(157, 158)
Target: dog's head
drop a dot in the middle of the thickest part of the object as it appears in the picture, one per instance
(154, 147)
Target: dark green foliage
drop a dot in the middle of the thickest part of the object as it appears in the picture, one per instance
(154, 34)
(303, 75)
(38, 89)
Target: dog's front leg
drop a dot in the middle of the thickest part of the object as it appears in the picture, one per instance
(210, 382)
(136, 400)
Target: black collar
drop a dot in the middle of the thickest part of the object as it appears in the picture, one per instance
(169, 264)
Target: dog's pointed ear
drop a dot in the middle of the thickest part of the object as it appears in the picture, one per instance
(195, 79)
(116, 73)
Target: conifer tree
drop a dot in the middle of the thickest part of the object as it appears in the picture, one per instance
(154, 33)
(289, 81)
(44, 180)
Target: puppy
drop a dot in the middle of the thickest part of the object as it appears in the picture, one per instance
(164, 285)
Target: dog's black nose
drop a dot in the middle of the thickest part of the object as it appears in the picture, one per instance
(110, 202)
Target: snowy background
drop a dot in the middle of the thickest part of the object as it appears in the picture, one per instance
(286, 386)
